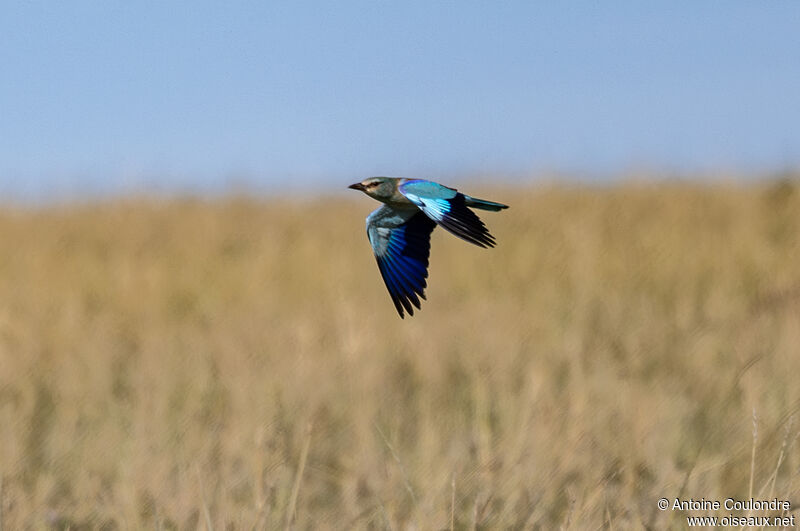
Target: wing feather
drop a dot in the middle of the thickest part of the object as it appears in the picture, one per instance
(448, 208)
(400, 240)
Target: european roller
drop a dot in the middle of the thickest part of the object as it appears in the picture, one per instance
(400, 230)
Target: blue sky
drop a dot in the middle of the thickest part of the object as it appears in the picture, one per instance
(116, 95)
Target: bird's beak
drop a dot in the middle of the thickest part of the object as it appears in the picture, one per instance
(357, 186)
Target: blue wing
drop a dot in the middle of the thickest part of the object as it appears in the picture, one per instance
(400, 240)
(448, 208)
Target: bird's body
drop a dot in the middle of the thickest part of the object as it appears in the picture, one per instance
(399, 231)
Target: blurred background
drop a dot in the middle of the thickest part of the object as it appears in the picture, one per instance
(193, 331)
(109, 97)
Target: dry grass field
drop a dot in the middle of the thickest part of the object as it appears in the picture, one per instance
(237, 363)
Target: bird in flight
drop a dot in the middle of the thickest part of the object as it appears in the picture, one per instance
(400, 230)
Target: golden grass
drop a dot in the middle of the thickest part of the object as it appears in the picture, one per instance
(238, 364)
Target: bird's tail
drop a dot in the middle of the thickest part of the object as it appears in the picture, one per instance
(483, 204)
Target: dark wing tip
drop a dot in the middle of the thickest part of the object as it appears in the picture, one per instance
(404, 265)
(464, 223)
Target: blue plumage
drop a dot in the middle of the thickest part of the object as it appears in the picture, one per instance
(403, 261)
(448, 208)
(399, 231)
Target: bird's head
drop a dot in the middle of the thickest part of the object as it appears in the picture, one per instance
(380, 188)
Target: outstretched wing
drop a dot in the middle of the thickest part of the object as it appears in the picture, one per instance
(448, 208)
(400, 240)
